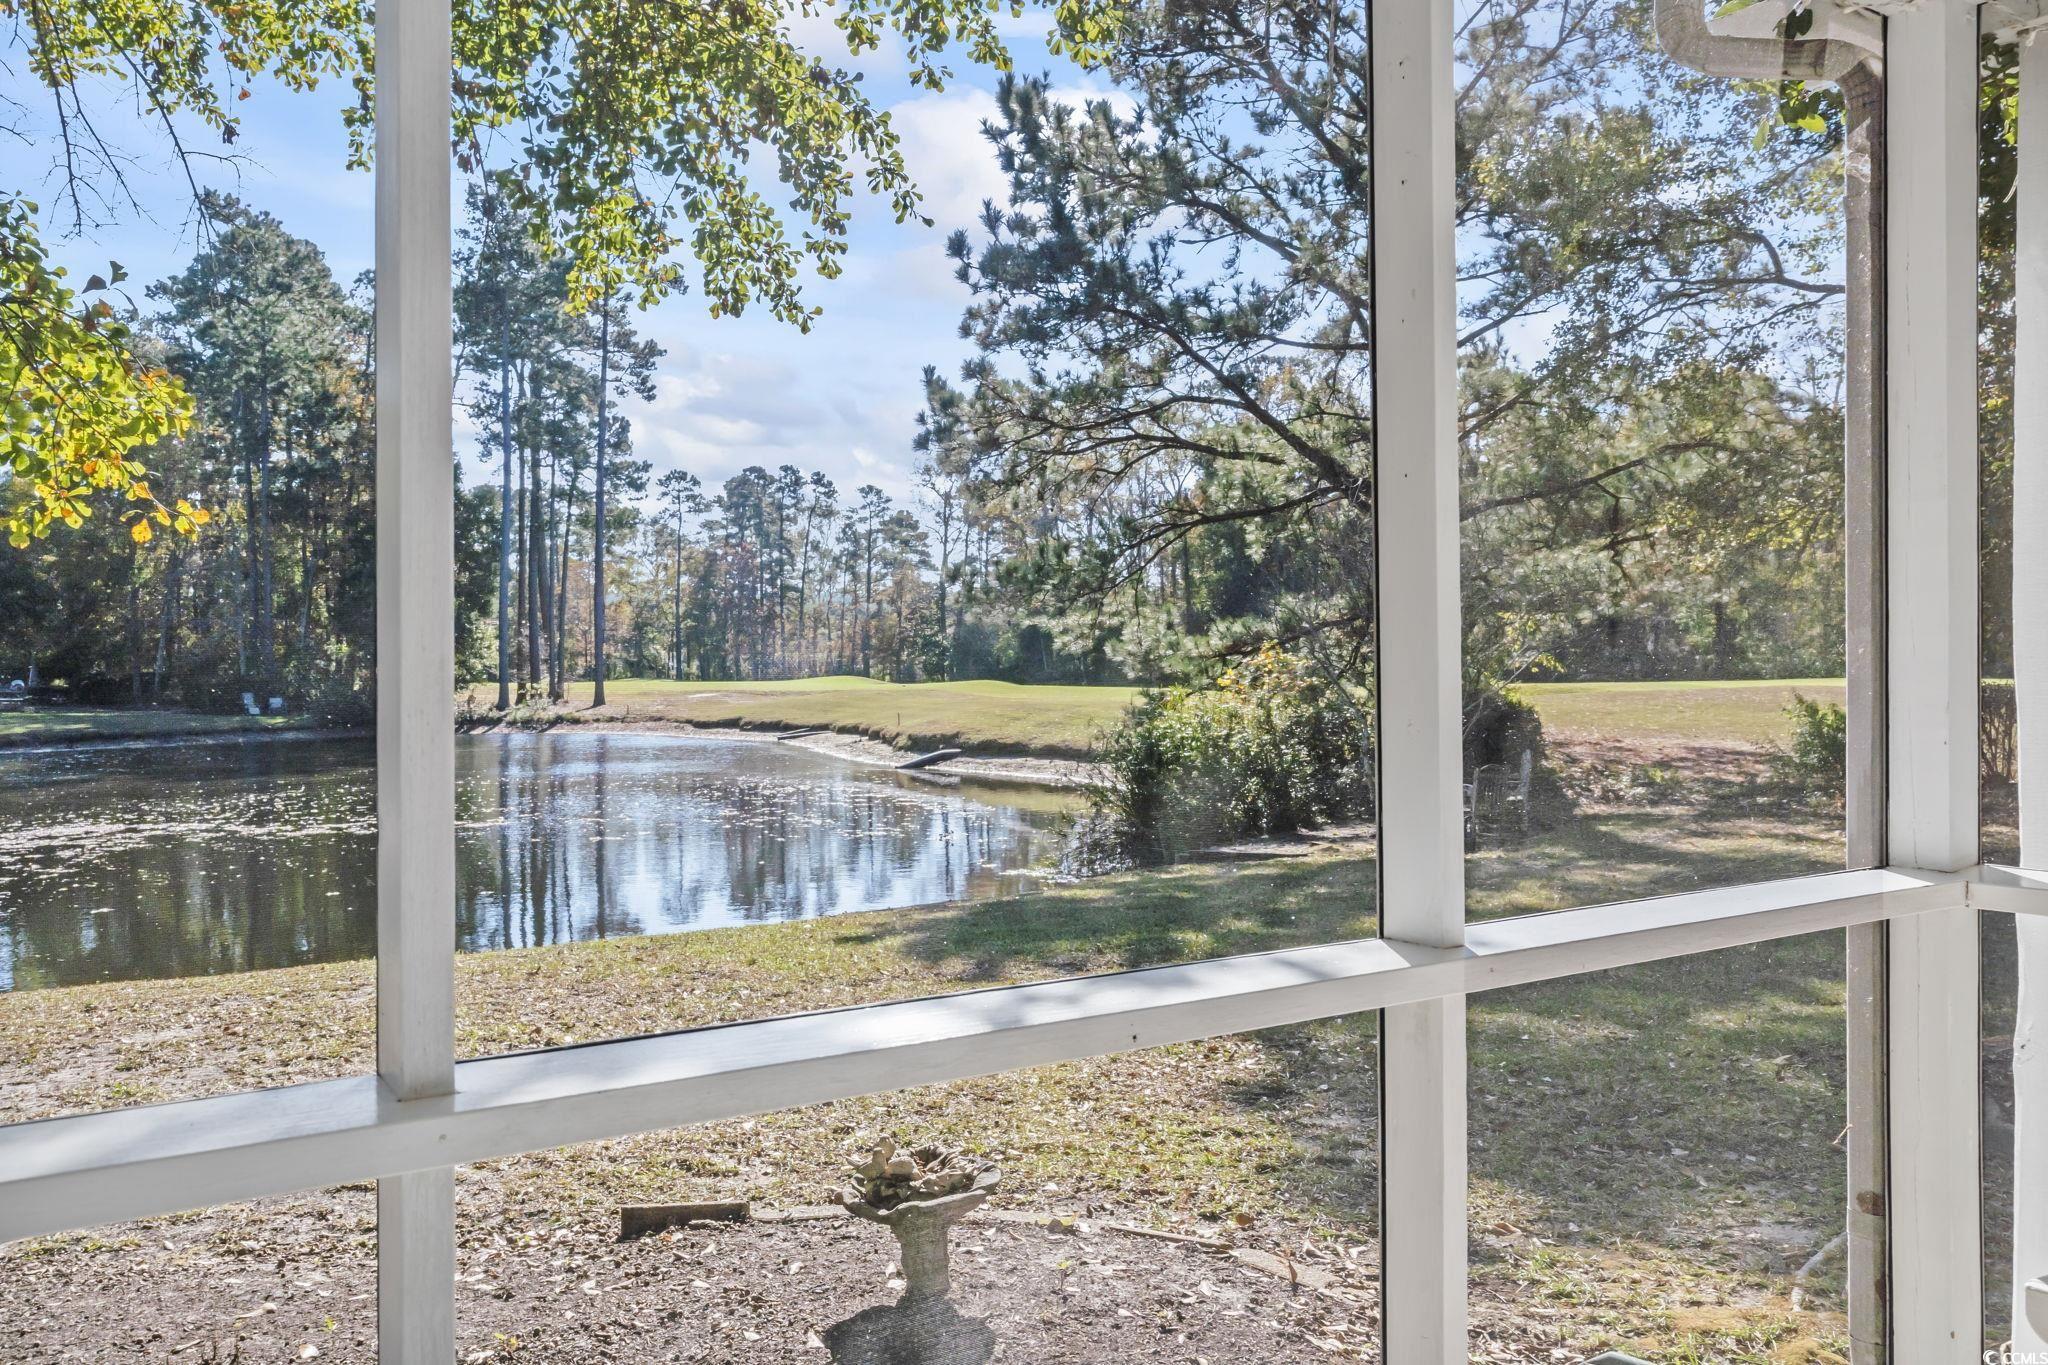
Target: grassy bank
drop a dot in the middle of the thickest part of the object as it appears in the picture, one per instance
(83, 724)
(1738, 712)
(1651, 1148)
(985, 717)
(981, 717)
(1068, 721)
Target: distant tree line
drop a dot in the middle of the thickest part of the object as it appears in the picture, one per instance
(277, 595)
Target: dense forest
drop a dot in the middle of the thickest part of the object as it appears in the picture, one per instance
(1160, 459)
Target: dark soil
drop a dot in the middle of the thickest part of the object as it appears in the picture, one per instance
(209, 1288)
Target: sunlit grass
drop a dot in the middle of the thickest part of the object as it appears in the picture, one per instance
(1069, 720)
(983, 716)
(997, 717)
(65, 724)
(1703, 711)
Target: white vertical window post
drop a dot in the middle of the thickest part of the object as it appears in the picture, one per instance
(2030, 683)
(1931, 396)
(1421, 807)
(1864, 655)
(415, 662)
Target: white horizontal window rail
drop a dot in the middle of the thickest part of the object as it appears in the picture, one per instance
(63, 1174)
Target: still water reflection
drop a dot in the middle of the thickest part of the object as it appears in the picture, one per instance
(201, 859)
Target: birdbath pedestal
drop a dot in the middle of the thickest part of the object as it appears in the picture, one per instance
(922, 1228)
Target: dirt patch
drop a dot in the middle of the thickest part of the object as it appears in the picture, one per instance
(828, 1291)
(296, 1280)
(1606, 770)
(291, 1280)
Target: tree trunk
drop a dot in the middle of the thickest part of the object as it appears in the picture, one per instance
(867, 603)
(266, 607)
(805, 655)
(167, 622)
(945, 571)
(134, 626)
(504, 509)
(245, 618)
(525, 576)
(561, 588)
(305, 642)
(537, 617)
(604, 381)
(679, 596)
(1187, 588)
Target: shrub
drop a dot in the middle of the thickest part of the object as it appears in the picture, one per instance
(102, 689)
(342, 707)
(1500, 727)
(1998, 731)
(1274, 747)
(1819, 755)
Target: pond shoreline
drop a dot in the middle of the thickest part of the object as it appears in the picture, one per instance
(60, 744)
(1022, 769)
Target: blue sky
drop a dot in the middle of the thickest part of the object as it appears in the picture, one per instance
(731, 391)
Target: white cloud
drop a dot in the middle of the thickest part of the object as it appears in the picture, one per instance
(952, 163)
(675, 392)
(891, 476)
(1030, 26)
(1079, 97)
(818, 34)
(800, 401)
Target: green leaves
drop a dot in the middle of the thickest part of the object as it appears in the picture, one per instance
(80, 402)
(633, 126)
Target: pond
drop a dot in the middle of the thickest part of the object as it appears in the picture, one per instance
(197, 859)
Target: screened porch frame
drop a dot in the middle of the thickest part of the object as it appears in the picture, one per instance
(1912, 809)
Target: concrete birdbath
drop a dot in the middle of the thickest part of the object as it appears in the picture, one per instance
(919, 1193)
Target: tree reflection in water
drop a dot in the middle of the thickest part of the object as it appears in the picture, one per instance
(209, 859)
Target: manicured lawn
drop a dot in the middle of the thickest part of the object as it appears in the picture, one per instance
(1741, 712)
(988, 717)
(1067, 721)
(998, 717)
(67, 724)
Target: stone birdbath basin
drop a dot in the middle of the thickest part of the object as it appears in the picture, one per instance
(919, 1193)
